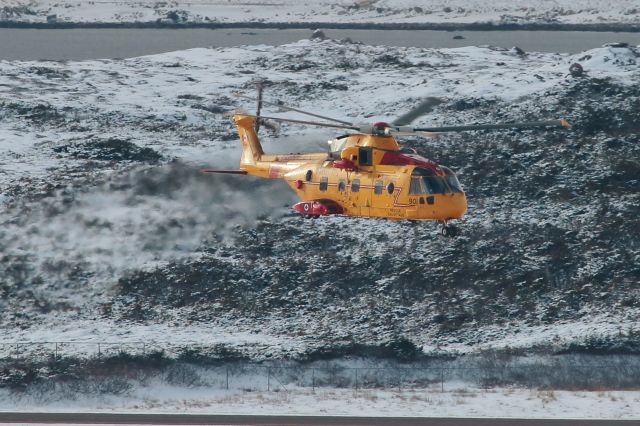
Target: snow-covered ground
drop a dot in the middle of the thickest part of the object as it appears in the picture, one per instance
(88, 337)
(178, 87)
(109, 233)
(342, 11)
(91, 196)
(456, 401)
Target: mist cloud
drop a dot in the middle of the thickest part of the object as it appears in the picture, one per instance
(145, 216)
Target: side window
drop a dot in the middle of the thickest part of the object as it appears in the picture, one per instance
(324, 183)
(366, 156)
(415, 187)
(391, 187)
(355, 185)
(342, 185)
(377, 189)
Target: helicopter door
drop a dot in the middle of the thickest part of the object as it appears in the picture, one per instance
(359, 192)
(343, 191)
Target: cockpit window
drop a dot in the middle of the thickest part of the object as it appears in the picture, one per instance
(435, 185)
(454, 184)
(425, 181)
(452, 180)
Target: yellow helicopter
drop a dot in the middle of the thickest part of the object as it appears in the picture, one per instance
(365, 173)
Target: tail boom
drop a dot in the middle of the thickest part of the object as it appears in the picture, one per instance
(254, 161)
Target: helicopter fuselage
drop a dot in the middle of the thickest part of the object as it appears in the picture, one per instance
(363, 175)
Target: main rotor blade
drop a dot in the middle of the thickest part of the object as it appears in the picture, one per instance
(310, 123)
(424, 107)
(525, 125)
(421, 134)
(288, 108)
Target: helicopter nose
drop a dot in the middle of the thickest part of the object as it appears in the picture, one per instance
(458, 205)
(445, 206)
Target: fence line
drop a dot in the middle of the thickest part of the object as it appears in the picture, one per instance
(16, 350)
(267, 376)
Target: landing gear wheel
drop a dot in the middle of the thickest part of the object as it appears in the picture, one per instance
(448, 230)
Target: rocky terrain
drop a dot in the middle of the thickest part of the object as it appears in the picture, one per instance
(351, 12)
(110, 232)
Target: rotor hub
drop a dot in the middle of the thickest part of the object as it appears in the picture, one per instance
(380, 128)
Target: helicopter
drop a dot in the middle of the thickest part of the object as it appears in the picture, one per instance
(365, 173)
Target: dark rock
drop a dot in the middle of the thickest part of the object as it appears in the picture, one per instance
(576, 70)
(318, 35)
(518, 51)
(616, 44)
(112, 149)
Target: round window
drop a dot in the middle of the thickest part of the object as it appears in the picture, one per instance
(390, 188)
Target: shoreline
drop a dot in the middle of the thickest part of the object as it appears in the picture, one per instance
(478, 26)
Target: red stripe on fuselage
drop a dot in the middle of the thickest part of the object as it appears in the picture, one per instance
(398, 190)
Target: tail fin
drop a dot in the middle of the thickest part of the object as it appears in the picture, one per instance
(251, 149)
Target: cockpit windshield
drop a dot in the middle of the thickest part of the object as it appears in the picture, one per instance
(435, 185)
(425, 181)
(452, 180)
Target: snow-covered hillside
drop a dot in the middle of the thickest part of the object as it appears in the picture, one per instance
(343, 11)
(110, 233)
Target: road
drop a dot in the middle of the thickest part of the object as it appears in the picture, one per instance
(202, 419)
(82, 44)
